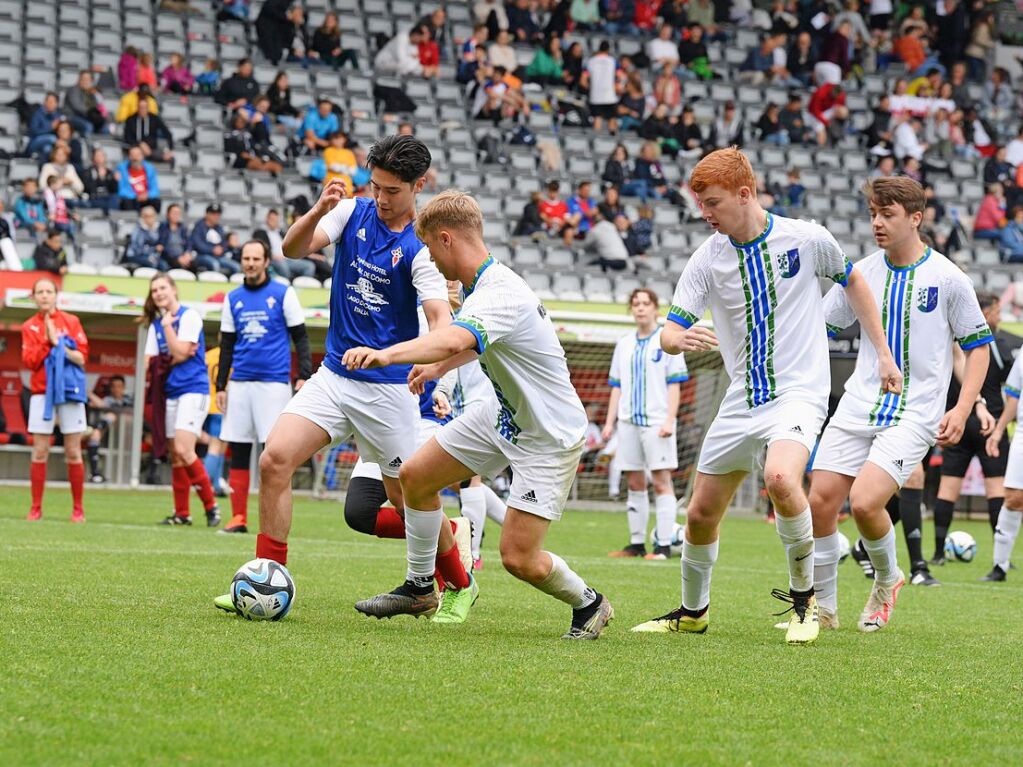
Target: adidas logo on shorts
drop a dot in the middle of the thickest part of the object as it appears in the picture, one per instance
(530, 497)
(797, 429)
(898, 463)
(395, 463)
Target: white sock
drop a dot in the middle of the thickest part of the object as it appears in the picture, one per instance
(796, 534)
(474, 508)
(495, 506)
(1005, 536)
(826, 554)
(664, 506)
(614, 478)
(562, 583)
(421, 531)
(639, 515)
(882, 557)
(697, 563)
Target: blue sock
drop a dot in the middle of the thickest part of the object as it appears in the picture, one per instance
(214, 468)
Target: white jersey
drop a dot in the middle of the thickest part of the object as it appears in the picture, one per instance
(472, 387)
(924, 308)
(1014, 382)
(521, 355)
(642, 370)
(766, 305)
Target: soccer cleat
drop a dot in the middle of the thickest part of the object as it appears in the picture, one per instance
(455, 603)
(401, 601)
(879, 607)
(938, 560)
(477, 564)
(997, 575)
(234, 527)
(862, 559)
(681, 621)
(222, 488)
(225, 603)
(922, 576)
(630, 551)
(213, 517)
(175, 519)
(97, 479)
(34, 515)
(77, 516)
(827, 619)
(660, 554)
(589, 622)
(462, 530)
(804, 623)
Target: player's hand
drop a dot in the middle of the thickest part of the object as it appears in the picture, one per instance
(222, 401)
(950, 430)
(891, 377)
(697, 339)
(994, 440)
(333, 192)
(419, 376)
(607, 431)
(441, 406)
(987, 421)
(299, 383)
(166, 318)
(363, 358)
(667, 429)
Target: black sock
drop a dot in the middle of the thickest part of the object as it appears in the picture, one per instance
(93, 451)
(943, 511)
(909, 510)
(583, 614)
(894, 509)
(994, 508)
(408, 588)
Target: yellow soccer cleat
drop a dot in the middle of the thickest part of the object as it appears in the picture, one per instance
(804, 625)
(677, 621)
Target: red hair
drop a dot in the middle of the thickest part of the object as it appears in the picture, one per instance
(728, 168)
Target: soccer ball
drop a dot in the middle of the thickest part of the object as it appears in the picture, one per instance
(263, 590)
(960, 545)
(675, 544)
(844, 549)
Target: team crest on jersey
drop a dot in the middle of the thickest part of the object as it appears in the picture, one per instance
(396, 255)
(926, 299)
(788, 263)
(271, 302)
(361, 235)
(238, 304)
(658, 354)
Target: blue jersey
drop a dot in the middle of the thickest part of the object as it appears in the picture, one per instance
(260, 317)
(189, 376)
(378, 277)
(426, 405)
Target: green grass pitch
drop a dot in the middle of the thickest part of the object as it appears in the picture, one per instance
(112, 654)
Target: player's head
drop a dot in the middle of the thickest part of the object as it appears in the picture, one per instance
(398, 166)
(643, 305)
(44, 293)
(991, 305)
(447, 225)
(726, 189)
(255, 261)
(163, 295)
(896, 205)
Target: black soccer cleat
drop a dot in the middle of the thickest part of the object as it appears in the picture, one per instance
(922, 576)
(213, 517)
(175, 519)
(632, 551)
(997, 575)
(938, 560)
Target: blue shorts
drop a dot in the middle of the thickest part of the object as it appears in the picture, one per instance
(212, 424)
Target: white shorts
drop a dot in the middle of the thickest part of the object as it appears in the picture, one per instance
(70, 415)
(187, 413)
(542, 479)
(252, 409)
(426, 430)
(376, 414)
(735, 442)
(1014, 467)
(641, 448)
(897, 449)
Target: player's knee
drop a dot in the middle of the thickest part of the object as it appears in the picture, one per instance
(781, 485)
(520, 563)
(863, 506)
(274, 464)
(1013, 499)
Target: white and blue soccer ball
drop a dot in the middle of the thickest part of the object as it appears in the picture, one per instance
(844, 548)
(675, 544)
(263, 590)
(960, 545)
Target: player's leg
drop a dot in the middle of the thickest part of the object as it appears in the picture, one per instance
(949, 489)
(994, 490)
(73, 424)
(910, 500)
(496, 508)
(871, 490)
(474, 508)
(240, 480)
(828, 491)
(665, 510)
(41, 430)
(630, 453)
(1010, 517)
(364, 509)
(185, 455)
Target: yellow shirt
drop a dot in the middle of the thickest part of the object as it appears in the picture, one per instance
(339, 158)
(213, 367)
(129, 105)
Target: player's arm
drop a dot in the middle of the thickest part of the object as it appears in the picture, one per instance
(438, 312)
(950, 431)
(435, 346)
(612, 413)
(1008, 416)
(180, 350)
(861, 301)
(306, 236)
(674, 398)
(420, 374)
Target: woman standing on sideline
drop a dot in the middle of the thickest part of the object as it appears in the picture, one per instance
(176, 331)
(54, 348)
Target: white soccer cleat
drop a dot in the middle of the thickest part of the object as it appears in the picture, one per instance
(462, 530)
(878, 611)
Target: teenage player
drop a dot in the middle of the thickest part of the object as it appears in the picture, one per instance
(48, 338)
(1010, 516)
(876, 438)
(645, 386)
(381, 271)
(259, 319)
(758, 273)
(536, 425)
(176, 330)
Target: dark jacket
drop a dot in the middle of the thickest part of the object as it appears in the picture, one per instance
(49, 260)
(280, 102)
(147, 130)
(99, 187)
(198, 242)
(236, 87)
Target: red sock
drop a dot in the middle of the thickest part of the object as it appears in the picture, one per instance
(200, 480)
(179, 483)
(239, 480)
(450, 566)
(390, 524)
(76, 476)
(271, 548)
(38, 475)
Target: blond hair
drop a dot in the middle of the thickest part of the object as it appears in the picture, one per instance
(728, 168)
(451, 209)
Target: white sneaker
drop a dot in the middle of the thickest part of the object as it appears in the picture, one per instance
(878, 610)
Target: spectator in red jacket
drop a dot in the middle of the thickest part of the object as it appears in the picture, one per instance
(41, 333)
(827, 112)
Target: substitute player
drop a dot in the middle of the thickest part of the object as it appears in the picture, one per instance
(253, 381)
(1010, 516)
(536, 426)
(381, 272)
(54, 348)
(645, 386)
(758, 274)
(176, 331)
(876, 437)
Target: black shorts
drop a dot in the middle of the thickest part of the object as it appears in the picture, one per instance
(956, 459)
(607, 111)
